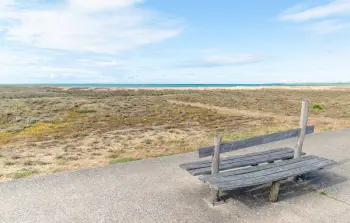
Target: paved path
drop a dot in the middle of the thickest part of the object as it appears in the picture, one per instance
(156, 190)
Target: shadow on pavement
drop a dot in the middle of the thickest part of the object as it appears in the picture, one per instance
(258, 196)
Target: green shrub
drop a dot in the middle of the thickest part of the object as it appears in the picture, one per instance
(15, 129)
(147, 141)
(24, 173)
(323, 193)
(113, 156)
(317, 107)
(85, 111)
(9, 163)
(122, 160)
(59, 157)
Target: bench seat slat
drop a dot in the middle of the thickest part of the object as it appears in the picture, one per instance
(238, 163)
(234, 162)
(207, 163)
(244, 171)
(274, 168)
(272, 174)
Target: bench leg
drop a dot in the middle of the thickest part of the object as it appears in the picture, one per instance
(275, 188)
(214, 199)
(214, 195)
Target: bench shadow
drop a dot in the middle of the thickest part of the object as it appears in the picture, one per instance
(258, 196)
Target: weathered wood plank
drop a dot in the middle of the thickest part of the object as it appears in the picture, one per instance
(216, 157)
(235, 163)
(227, 147)
(270, 178)
(214, 194)
(303, 124)
(265, 172)
(242, 163)
(275, 189)
(259, 154)
(207, 163)
(243, 171)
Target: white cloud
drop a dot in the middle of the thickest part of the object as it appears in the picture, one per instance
(100, 5)
(19, 59)
(4, 4)
(328, 26)
(67, 70)
(111, 63)
(234, 59)
(223, 60)
(321, 19)
(44, 39)
(334, 8)
(23, 67)
(104, 26)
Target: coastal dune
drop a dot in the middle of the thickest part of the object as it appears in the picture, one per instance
(53, 129)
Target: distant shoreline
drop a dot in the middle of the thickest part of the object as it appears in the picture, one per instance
(198, 88)
(185, 86)
(158, 87)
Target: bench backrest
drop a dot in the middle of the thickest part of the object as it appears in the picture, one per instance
(241, 144)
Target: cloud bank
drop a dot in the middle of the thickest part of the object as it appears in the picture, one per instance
(75, 40)
(322, 19)
(104, 26)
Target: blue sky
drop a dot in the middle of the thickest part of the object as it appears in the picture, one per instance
(182, 41)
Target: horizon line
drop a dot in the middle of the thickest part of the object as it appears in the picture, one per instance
(91, 83)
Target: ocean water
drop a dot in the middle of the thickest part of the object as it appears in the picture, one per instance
(91, 85)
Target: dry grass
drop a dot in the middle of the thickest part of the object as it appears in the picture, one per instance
(330, 109)
(47, 130)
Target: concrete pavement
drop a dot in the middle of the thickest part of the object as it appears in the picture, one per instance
(157, 190)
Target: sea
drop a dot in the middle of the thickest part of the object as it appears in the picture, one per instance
(92, 85)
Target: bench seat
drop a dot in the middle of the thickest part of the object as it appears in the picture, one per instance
(257, 175)
(204, 167)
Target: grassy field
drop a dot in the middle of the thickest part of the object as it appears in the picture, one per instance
(48, 130)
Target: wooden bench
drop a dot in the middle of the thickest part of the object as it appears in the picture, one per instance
(259, 167)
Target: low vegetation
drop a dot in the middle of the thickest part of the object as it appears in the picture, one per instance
(122, 160)
(49, 130)
(317, 107)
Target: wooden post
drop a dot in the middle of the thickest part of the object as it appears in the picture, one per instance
(214, 197)
(216, 156)
(275, 189)
(303, 124)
